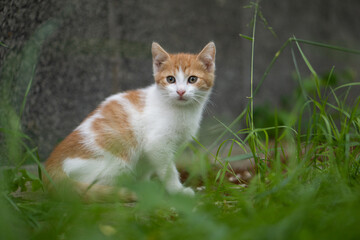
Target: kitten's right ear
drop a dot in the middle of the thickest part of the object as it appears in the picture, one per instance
(159, 56)
(207, 56)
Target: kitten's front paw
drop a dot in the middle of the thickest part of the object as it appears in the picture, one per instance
(188, 191)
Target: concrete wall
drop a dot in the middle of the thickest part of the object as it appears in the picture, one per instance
(85, 50)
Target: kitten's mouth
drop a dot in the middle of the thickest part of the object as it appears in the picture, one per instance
(181, 99)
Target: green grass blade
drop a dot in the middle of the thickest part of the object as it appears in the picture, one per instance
(339, 109)
(239, 157)
(27, 92)
(246, 37)
(328, 46)
(298, 74)
(3, 45)
(39, 164)
(231, 131)
(269, 67)
(310, 68)
(237, 119)
(347, 85)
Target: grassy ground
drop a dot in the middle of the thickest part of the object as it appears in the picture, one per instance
(305, 183)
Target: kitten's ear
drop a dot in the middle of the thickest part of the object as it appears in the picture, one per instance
(159, 56)
(207, 56)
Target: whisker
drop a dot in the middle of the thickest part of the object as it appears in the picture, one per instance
(204, 97)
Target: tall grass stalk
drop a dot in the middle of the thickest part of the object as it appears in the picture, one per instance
(251, 118)
(252, 68)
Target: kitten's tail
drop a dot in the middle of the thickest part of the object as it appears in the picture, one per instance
(62, 186)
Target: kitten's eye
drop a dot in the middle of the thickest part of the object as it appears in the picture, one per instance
(170, 79)
(192, 79)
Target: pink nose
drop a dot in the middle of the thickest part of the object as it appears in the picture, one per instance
(181, 92)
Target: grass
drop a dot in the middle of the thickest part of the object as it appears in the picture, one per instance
(306, 186)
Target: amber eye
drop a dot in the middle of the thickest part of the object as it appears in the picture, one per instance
(192, 79)
(170, 79)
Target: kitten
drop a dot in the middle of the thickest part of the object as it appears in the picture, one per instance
(138, 131)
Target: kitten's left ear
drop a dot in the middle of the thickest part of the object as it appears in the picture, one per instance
(159, 56)
(207, 56)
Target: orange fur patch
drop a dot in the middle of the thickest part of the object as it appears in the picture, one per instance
(135, 97)
(114, 132)
(190, 66)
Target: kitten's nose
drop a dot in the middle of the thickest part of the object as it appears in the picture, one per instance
(180, 92)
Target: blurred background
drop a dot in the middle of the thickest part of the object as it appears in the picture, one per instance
(76, 53)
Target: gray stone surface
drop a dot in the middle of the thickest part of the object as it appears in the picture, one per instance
(91, 49)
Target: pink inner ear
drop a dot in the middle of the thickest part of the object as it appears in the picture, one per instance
(159, 59)
(158, 63)
(208, 62)
(207, 56)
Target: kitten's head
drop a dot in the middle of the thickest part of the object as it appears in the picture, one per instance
(184, 78)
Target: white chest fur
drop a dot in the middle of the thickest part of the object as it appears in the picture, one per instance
(164, 122)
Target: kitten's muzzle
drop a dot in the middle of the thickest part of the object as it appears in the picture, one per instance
(181, 94)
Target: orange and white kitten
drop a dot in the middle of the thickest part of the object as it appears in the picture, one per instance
(138, 131)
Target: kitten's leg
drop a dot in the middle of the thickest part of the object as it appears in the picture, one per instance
(147, 176)
(144, 170)
(166, 170)
(92, 178)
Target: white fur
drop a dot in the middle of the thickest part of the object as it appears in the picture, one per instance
(102, 170)
(164, 123)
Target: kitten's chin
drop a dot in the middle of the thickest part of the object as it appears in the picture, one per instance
(180, 102)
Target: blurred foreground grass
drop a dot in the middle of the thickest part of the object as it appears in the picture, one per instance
(305, 167)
